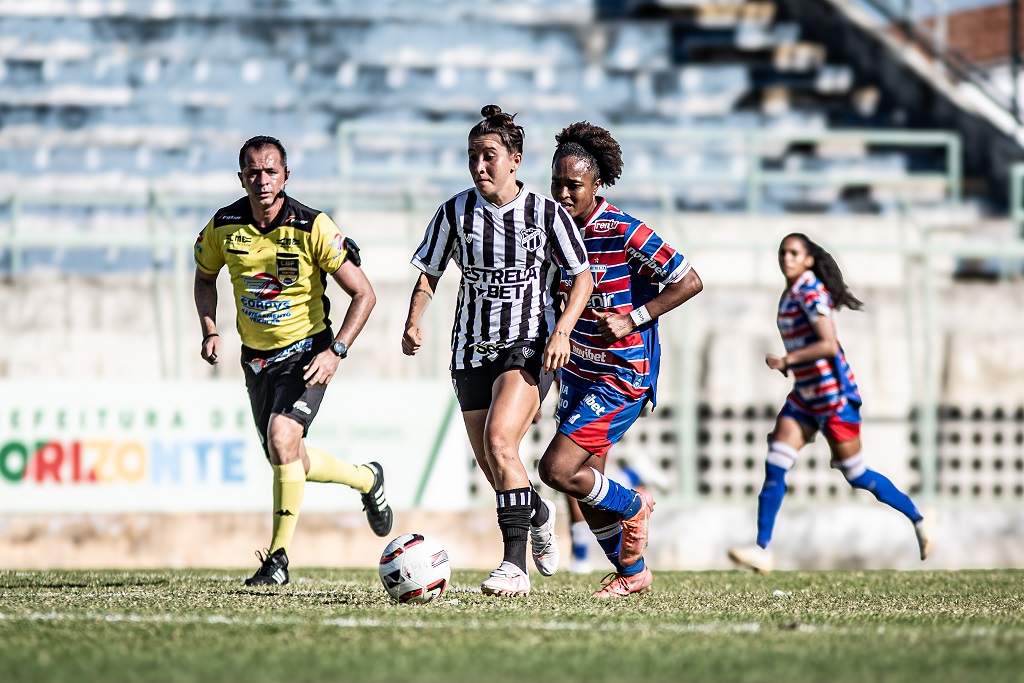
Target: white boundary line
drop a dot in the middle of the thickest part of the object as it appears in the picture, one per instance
(551, 626)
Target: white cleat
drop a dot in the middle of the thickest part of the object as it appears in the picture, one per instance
(507, 580)
(923, 541)
(753, 556)
(544, 543)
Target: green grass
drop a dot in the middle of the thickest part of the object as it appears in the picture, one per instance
(332, 625)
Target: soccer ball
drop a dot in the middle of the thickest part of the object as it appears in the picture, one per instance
(414, 569)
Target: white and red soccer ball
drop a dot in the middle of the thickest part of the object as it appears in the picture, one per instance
(415, 569)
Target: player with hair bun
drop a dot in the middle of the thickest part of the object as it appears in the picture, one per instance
(509, 242)
(824, 398)
(615, 352)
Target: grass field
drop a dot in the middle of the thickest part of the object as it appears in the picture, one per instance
(332, 625)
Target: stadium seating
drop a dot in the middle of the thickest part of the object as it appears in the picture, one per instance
(124, 90)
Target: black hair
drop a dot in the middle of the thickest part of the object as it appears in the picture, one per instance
(593, 145)
(496, 122)
(257, 142)
(827, 270)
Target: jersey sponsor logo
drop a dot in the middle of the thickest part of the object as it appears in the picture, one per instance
(589, 354)
(595, 406)
(237, 238)
(605, 226)
(601, 300)
(287, 242)
(499, 276)
(288, 269)
(528, 352)
(226, 217)
(647, 261)
(199, 241)
(531, 238)
(302, 407)
(598, 270)
(258, 364)
(507, 284)
(264, 285)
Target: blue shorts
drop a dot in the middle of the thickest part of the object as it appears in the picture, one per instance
(596, 417)
(842, 425)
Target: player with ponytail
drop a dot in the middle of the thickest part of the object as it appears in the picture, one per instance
(824, 398)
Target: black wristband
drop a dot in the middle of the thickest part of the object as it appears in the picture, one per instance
(212, 334)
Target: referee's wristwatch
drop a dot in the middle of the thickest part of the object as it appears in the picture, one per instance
(339, 349)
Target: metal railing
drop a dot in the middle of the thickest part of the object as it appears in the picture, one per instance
(753, 147)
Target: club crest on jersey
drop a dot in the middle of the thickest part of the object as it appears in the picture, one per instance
(531, 238)
(604, 226)
(598, 270)
(288, 269)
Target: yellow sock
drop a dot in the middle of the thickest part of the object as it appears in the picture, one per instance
(289, 485)
(325, 468)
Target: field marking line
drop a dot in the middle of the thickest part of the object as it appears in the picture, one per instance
(365, 622)
(476, 624)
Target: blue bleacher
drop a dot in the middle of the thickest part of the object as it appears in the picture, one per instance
(178, 85)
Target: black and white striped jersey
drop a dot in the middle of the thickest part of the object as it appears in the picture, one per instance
(509, 257)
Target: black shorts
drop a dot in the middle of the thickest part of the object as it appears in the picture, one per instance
(473, 385)
(278, 387)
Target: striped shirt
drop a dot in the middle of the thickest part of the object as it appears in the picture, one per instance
(510, 258)
(823, 386)
(629, 262)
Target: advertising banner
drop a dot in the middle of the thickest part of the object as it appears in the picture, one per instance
(192, 446)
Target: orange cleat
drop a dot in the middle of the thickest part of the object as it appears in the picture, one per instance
(619, 586)
(634, 531)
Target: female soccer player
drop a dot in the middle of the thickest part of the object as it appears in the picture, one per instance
(825, 397)
(613, 369)
(509, 243)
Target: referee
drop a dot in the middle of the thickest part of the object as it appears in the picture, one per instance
(279, 253)
(509, 242)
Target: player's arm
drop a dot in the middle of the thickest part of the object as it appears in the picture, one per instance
(827, 346)
(614, 326)
(422, 293)
(353, 280)
(556, 353)
(204, 290)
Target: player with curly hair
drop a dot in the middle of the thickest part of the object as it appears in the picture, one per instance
(824, 398)
(615, 351)
(509, 242)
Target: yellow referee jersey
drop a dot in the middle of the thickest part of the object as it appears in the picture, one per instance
(279, 274)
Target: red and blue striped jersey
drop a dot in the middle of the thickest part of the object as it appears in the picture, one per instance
(629, 262)
(823, 386)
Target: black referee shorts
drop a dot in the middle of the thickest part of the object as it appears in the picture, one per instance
(473, 385)
(279, 387)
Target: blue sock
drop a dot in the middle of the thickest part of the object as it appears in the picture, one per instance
(780, 459)
(633, 569)
(860, 477)
(579, 533)
(769, 502)
(610, 538)
(613, 497)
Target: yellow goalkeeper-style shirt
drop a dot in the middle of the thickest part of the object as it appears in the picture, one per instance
(279, 274)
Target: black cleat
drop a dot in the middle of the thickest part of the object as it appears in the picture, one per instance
(378, 512)
(272, 572)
